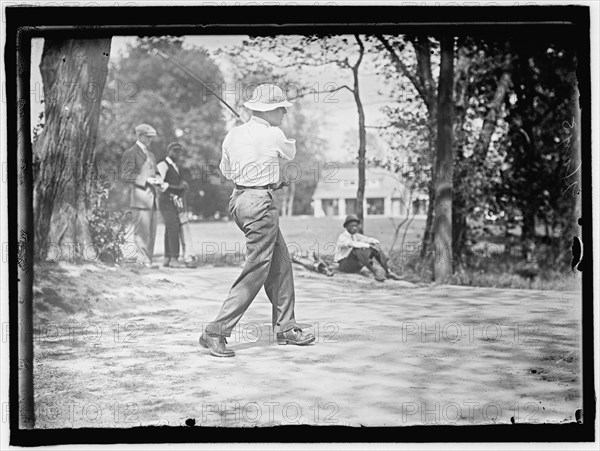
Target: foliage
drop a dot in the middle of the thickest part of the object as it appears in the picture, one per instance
(107, 227)
(511, 97)
(39, 126)
(142, 88)
(532, 182)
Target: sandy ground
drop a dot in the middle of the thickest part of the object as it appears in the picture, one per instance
(119, 348)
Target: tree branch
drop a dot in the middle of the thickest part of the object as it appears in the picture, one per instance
(489, 122)
(423, 50)
(330, 91)
(401, 66)
(380, 126)
(360, 53)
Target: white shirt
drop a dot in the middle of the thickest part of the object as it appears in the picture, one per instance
(346, 242)
(164, 167)
(251, 153)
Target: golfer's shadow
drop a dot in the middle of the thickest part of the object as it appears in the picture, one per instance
(255, 335)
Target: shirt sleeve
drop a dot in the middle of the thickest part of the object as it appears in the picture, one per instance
(162, 169)
(366, 239)
(286, 147)
(225, 165)
(345, 240)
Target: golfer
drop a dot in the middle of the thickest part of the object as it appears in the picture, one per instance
(250, 158)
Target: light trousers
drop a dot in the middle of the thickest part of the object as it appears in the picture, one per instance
(268, 264)
(141, 235)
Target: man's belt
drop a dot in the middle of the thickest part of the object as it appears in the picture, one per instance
(270, 186)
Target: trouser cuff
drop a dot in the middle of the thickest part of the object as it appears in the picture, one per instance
(285, 327)
(217, 329)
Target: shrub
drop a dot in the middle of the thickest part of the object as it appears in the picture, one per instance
(107, 227)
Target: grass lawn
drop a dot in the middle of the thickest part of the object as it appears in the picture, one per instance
(302, 234)
(222, 243)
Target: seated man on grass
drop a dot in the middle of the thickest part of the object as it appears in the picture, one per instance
(354, 251)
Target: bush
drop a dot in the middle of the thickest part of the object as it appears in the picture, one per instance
(542, 266)
(107, 227)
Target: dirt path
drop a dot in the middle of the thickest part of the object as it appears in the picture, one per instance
(118, 348)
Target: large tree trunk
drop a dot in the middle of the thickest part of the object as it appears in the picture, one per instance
(442, 227)
(73, 76)
(427, 91)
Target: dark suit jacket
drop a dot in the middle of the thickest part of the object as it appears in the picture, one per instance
(136, 168)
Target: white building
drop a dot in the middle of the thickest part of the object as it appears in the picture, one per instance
(385, 195)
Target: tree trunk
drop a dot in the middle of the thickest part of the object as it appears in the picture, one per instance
(428, 233)
(290, 201)
(428, 93)
(460, 182)
(362, 139)
(73, 76)
(489, 122)
(530, 206)
(362, 151)
(442, 227)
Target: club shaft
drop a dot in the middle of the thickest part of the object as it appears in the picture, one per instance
(196, 78)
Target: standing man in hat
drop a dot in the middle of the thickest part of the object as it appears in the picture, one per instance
(172, 208)
(139, 171)
(354, 251)
(250, 158)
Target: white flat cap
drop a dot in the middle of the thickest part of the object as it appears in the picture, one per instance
(145, 129)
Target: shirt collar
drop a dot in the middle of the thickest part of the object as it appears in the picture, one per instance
(142, 146)
(260, 121)
(170, 161)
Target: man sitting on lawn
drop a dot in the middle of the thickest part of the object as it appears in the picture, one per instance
(355, 251)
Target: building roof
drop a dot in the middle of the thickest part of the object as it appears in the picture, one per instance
(343, 183)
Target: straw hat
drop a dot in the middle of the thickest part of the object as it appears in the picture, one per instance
(267, 97)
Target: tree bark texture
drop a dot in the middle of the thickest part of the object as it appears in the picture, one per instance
(442, 227)
(73, 76)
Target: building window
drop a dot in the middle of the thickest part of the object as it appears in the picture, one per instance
(375, 206)
(350, 206)
(330, 207)
(420, 207)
